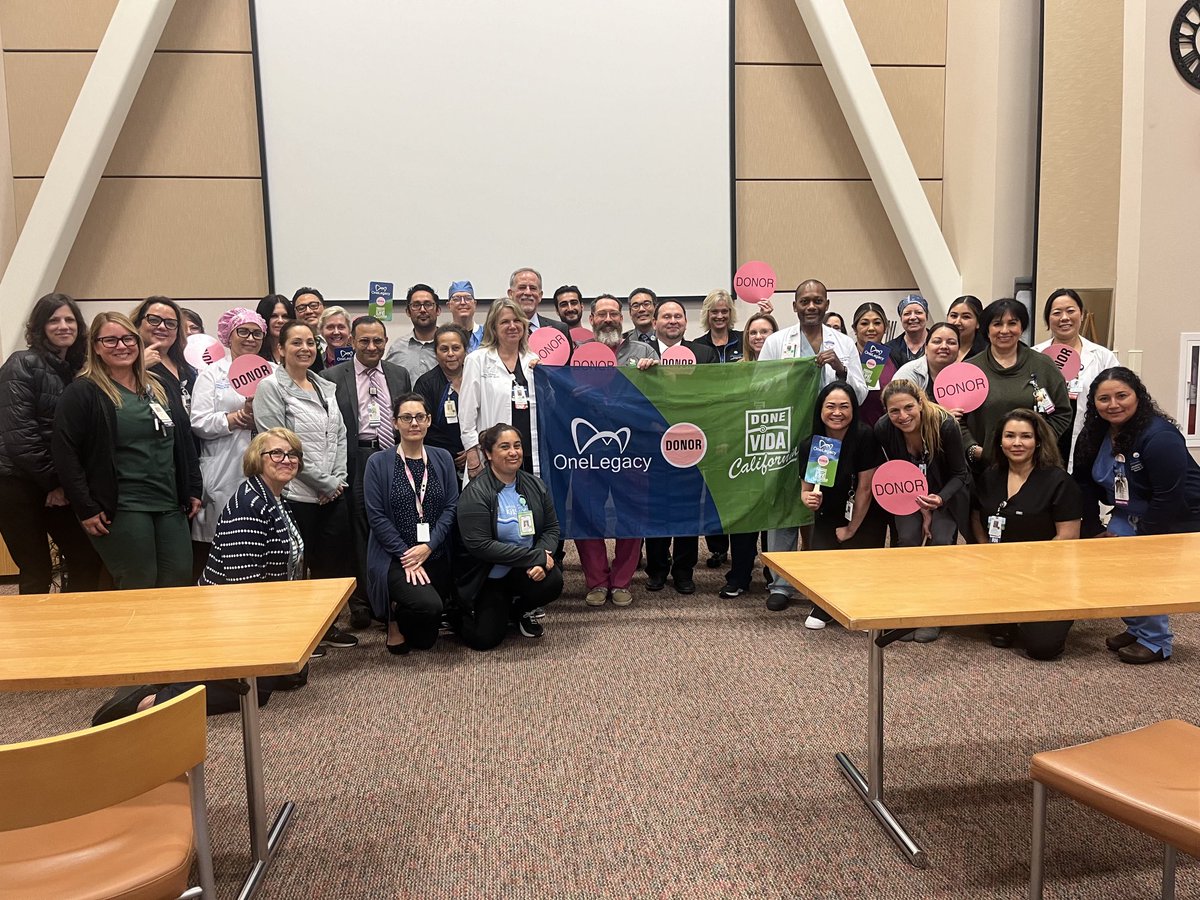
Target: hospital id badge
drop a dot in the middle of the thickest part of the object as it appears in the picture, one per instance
(422, 532)
(1073, 388)
(373, 418)
(450, 411)
(525, 524)
(995, 528)
(161, 414)
(789, 351)
(1042, 402)
(520, 398)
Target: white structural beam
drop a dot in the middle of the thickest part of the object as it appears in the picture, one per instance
(887, 160)
(79, 160)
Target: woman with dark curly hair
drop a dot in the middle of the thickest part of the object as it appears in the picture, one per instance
(163, 327)
(1131, 456)
(32, 502)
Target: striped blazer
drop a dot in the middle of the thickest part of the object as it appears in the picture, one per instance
(251, 542)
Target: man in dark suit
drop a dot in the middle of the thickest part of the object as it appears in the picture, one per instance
(368, 392)
(670, 323)
(525, 287)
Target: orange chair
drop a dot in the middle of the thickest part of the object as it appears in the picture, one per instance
(1149, 779)
(116, 811)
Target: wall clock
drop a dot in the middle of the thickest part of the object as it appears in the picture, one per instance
(1185, 51)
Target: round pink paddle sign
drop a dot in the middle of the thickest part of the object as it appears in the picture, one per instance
(896, 486)
(594, 353)
(552, 347)
(754, 281)
(684, 445)
(678, 355)
(1067, 360)
(202, 350)
(579, 334)
(246, 372)
(961, 386)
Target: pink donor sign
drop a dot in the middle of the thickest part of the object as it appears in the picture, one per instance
(594, 354)
(684, 445)
(961, 386)
(754, 281)
(579, 334)
(246, 372)
(202, 350)
(896, 486)
(678, 355)
(552, 347)
(1067, 360)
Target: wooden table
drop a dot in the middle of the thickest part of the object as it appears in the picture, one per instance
(116, 638)
(983, 584)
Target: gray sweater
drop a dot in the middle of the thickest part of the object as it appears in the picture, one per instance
(314, 416)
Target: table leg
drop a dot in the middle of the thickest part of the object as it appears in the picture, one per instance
(262, 842)
(872, 791)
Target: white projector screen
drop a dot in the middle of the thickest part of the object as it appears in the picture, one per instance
(434, 141)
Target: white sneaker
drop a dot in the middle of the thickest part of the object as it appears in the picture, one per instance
(814, 623)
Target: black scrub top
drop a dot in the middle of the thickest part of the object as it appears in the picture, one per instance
(1047, 497)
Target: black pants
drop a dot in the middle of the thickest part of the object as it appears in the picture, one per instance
(25, 520)
(660, 562)
(743, 551)
(504, 600)
(326, 532)
(717, 543)
(360, 531)
(417, 608)
(1041, 640)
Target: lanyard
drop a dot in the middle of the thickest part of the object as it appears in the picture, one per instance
(418, 495)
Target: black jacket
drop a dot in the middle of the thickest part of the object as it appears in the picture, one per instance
(478, 549)
(251, 542)
(84, 442)
(704, 352)
(31, 385)
(342, 377)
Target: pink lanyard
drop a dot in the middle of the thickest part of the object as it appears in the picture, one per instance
(419, 496)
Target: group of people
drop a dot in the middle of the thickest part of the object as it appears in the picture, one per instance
(413, 465)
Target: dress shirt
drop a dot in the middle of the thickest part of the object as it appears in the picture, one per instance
(364, 378)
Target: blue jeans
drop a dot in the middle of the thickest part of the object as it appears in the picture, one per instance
(1153, 632)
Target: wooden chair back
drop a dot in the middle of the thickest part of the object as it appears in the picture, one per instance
(73, 774)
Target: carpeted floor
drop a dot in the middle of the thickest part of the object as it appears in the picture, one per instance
(682, 747)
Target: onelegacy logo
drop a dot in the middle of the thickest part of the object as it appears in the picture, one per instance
(590, 440)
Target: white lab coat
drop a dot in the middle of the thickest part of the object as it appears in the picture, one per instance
(221, 449)
(485, 398)
(1094, 359)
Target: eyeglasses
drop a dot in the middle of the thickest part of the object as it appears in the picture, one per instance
(111, 341)
(422, 305)
(408, 419)
(462, 298)
(305, 307)
(249, 334)
(642, 304)
(279, 456)
(160, 322)
(370, 342)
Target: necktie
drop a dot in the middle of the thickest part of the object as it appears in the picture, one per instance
(385, 434)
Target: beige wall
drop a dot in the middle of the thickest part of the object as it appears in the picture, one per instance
(804, 200)
(179, 209)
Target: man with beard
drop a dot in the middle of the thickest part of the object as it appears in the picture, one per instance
(309, 304)
(416, 355)
(569, 303)
(610, 579)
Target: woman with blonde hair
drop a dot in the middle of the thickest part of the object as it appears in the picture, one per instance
(919, 431)
(123, 448)
(497, 385)
(718, 315)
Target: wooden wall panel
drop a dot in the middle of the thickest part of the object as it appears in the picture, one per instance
(80, 24)
(194, 114)
(790, 125)
(185, 238)
(911, 32)
(836, 231)
(1079, 178)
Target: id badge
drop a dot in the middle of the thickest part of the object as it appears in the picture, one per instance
(525, 523)
(422, 532)
(1120, 481)
(995, 528)
(1073, 388)
(450, 411)
(373, 417)
(1042, 402)
(520, 398)
(161, 414)
(850, 507)
(789, 352)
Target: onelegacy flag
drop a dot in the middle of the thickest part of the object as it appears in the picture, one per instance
(670, 450)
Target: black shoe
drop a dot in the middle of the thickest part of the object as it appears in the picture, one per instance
(530, 627)
(360, 619)
(123, 703)
(335, 637)
(777, 602)
(717, 560)
(398, 649)
(729, 592)
(685, 586)
(318, 652)
(655, 583)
